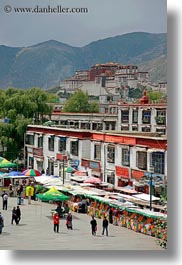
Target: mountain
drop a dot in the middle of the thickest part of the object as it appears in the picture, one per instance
(46, 64)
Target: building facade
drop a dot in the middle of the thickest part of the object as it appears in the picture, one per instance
(116, 158)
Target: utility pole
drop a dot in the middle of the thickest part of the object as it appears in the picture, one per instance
(63, 171)
(150, 191)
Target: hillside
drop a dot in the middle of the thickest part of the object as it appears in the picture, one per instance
(46, 64)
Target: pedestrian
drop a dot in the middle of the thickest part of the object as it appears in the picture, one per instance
(18, 214)
(1, 223)
(105, 224)
(110, 216)
(69, 221)
(93, 223)
(56, 222)
(14, 216)
(5, 200)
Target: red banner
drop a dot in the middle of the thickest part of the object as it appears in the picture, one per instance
(136, 174)
(122, 172)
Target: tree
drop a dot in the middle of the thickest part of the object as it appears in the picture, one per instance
(155, 95)
(20, 107)
(79, 102)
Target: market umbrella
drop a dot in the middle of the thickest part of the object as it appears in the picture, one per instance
(4, 163)
(15, 173)
(52, 195)
(70, 169)
(92, 180)
(31, 172)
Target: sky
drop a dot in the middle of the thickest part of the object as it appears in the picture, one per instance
(105, 18)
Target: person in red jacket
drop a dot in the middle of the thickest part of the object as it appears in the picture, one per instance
(56, 222)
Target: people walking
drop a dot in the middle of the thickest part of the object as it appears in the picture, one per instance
(1, 223)
(14, 216)
(56, 222)
(18, 214)
(5, 200)
(69, 221)
(93, 223)
(105, 224)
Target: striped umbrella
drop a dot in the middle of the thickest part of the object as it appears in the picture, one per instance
(31, 173)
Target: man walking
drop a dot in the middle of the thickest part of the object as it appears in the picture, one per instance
(105, 226)
(93, 223)
(5, 200)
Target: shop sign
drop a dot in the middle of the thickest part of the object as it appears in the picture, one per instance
(84, 163)
(137, 174)
(122, 172)
(95, 165)
(61, 157)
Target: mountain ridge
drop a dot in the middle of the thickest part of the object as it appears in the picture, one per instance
(47, 63)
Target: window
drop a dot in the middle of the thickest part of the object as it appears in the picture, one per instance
(146, 129)
(124, 128)
(125, 116)
(135, 116)
(125, 157)
(134, 128)
(157, 161)
(111, 154)
(40, 141)
(62, 144)
(74, 148)
(141, 161)
(161, 117)
(161, 130)
(107, 126)
(51, 143)
(146, 116)
(30, 139)
(97, 152)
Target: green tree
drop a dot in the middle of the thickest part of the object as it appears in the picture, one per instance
(20, 107)
(79, 102)
(155, 95)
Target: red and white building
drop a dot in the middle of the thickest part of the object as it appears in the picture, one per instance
(117, 158)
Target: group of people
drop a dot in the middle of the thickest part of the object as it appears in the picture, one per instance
(16, 212)
(105, 224)
(16, 215)
(56, 221)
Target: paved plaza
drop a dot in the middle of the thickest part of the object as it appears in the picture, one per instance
(35, 232)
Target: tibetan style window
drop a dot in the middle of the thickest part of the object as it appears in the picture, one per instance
(62, 144)
(74, 148)
(125, 157)
(146, 129)
(51, 143)
(161, 117)
(111, 154)
(141, 160)
(124, 116)
(146, 116)
(157, 162)
(40, 141)
(135, 116)
(97, 152)
(30, 139)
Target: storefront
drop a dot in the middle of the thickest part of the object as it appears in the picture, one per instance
(122, 174)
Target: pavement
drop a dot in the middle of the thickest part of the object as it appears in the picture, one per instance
(35, 232)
